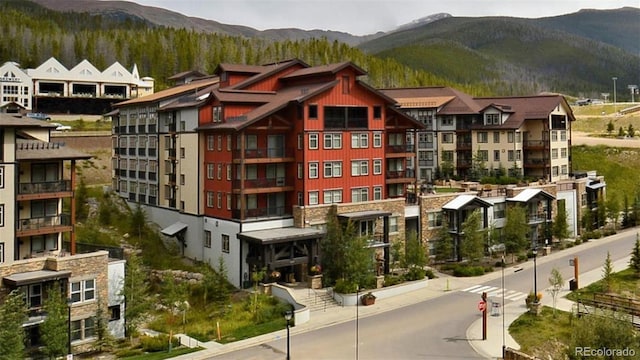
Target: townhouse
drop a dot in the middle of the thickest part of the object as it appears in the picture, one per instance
(37, 207)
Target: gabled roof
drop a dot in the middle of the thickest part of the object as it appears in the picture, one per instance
(171, 92)
(329, 69)
(527, 194)
(16, 120)
(184, 74)
(466, 201)
(189, 99)
(522, 108)
(265, 71)
(37, 150)
(447, 100)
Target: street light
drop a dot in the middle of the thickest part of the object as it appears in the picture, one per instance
(535, 275)
(70, 354)
(503, 315)
(357, 308)
(288, 315)
(615, 108)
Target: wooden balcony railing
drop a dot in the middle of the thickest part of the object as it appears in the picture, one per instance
(44, 187)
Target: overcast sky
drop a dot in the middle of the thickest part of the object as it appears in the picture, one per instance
(361, 17)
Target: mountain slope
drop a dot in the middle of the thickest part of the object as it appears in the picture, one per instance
(511, 54)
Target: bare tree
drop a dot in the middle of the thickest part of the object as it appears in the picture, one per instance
(556, 281)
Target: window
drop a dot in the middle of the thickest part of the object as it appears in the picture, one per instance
(219, 172)
(563, 153)
(313, 141)
(182, 153)
(82, 291)
(377, 112)
(225, 243)
(360, 168)
(83, 329)
(1, 214)
(229, 171)
(33, 296)
(114, 312)
(210, 142)
(393, 224)
(301, 141)
(346, 86)
(483, 155)
(499, 210)
(359, 141)
(313, 170)
(1, 177)
(563, 135)
(182, 179)
(207, 239)
(554, 136)
(210, 199)
(313, 111)
(1, 252)
(447, 120)
(496, 155)
(518, 155)
(492, 119)
(510, 136)
(313, 198)
(219, 200)
(210, 170)
(228, 142)
(346, 117)
(564, 170)
(510, 155)
(377, 193)
(483, 137)
(447, 138)
(377, 166)
(333, 141)
(496, 137)
(554, 171)
(435, 219)
(332, 196)
(554, 153)
(216, 114)
(360, 194)
(332, 169)
(300, 170)
(447, 155)
(377, 139)
(47, 242)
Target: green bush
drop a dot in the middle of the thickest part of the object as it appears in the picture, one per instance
(522, 257)
(414, 273)
(468, 270)
(157, 343)
(390, 280)
(345, 287)
(429, 273)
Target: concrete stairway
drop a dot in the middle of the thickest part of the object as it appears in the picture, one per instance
(315, 300)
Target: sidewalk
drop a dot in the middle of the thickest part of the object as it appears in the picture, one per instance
(490, 348)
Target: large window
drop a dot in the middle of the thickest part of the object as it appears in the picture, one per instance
(332, 196)
(332, 169)
(313, 197)
(44, 172)
(359, 141)
(435, 219)
(499, 210)
(216, 115)
(360, 167)
(82, 291)
(483, 137)
(83, 329)
(447, 138)
(336, 117)
(360, 194)
(492, 119)
(333, 141)
(47, 242)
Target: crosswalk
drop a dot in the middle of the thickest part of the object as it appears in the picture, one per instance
(493, 291)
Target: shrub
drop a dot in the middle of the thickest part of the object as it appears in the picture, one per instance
(429, 273)
(466, 270)
(499, 264)
(345, 287)
(390, 280)
(414, 273)
(522, 257)
(157, 343)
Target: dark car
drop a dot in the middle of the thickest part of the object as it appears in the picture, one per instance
(39, 116)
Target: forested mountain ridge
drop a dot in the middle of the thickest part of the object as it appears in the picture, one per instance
(459, 56)
(516, 55)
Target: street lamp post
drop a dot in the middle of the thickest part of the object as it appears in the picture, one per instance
(503, 314)
(288, 315)
(615, 107)
(535, 275)
(357, 309)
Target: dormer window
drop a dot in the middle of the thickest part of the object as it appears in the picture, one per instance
(216, 114)
(492, 119)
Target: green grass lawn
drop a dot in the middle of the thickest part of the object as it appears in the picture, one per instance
(625, 283)
(543, 336)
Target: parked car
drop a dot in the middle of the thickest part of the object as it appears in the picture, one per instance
(60, 127)
(39, 116)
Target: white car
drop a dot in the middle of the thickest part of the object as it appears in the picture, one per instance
(60, 127)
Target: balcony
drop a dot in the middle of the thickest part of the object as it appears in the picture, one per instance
(43, 225)
(463, 163)
(536, 163)
(426, 163)
(261, 213)
(536, 218)
(463, 145)
(264, 154)
(400, 149)
(400, 176)
(535, 144)
(38, 190)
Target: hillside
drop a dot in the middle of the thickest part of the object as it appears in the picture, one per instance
(514, 55)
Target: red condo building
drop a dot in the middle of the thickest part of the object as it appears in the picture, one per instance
(284, 143)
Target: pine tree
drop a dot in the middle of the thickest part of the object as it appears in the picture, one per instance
(443, 246)
(13, 313)
(55, 341)
(607, 273)
(415, 258)
(135, 290)
(560, 226)
(472, 246)
(516, 230)
(634, 262)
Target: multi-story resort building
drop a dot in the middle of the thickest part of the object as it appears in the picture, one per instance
(37, 206)
(51, 87)
(247, 167)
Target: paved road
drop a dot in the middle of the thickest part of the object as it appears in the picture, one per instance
(580, 138)
(435, 328)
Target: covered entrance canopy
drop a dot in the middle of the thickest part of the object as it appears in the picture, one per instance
(34, 277)
(285, 251)
(365, 225)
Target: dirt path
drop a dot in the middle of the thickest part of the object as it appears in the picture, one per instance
(580, 138)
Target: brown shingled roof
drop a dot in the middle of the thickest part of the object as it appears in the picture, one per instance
(15, 120)
(171, 92)
(324, 69)
(459, 103)
(523, 108)
(38, 150)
